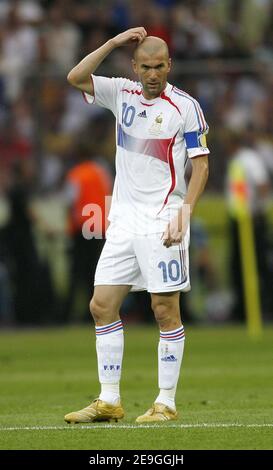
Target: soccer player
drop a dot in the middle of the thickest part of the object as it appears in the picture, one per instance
(158, 126)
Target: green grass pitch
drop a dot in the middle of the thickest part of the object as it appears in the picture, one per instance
(224, 395)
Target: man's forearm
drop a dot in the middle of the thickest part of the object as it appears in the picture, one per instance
(82, 71)
(177, 228)
(79, 76)
(200, 172)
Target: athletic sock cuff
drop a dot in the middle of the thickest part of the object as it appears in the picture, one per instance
(174, 335)
(107, 329)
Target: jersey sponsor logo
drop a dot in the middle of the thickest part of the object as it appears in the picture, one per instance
(143, 114)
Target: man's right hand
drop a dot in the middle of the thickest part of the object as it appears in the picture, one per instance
(79, 76)
(130, 36)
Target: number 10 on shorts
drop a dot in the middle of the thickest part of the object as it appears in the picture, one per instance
(170, 271)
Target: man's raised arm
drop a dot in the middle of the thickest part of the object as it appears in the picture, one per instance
(79, 76)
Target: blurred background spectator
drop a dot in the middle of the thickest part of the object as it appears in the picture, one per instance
(222, 54)
(87, 182)
(29, 274)
(255, 183)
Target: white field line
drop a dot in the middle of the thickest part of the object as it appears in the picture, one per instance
(134, 426)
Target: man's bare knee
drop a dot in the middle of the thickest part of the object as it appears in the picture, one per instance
(166, 313)
(98, 310)
(167, 320)
(102, 312)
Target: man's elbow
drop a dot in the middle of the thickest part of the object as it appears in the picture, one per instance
(72, 78)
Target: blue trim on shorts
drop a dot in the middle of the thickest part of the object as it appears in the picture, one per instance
(182, 265)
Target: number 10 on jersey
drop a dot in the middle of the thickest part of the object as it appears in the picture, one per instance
(128, 114)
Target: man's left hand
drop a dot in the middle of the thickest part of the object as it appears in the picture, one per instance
(177, 227)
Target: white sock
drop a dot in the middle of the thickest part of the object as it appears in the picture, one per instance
(170, 354)
(109, 346)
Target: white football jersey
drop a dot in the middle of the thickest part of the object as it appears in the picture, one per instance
(154, 139)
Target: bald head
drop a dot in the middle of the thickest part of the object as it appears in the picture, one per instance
(152, 46)
(152, 64)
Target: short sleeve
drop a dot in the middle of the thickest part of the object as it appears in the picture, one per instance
(195, 130)
(105, 92)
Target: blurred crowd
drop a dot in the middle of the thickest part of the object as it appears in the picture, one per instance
(222, 54)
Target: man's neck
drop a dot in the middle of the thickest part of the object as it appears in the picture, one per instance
(153, 97)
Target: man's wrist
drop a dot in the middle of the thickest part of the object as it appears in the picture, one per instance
(188, 206)
(111, 43)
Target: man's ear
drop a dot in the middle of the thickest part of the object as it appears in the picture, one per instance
(169, 64)
(134, 65)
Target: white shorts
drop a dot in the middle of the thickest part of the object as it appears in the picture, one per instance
(143, 262)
